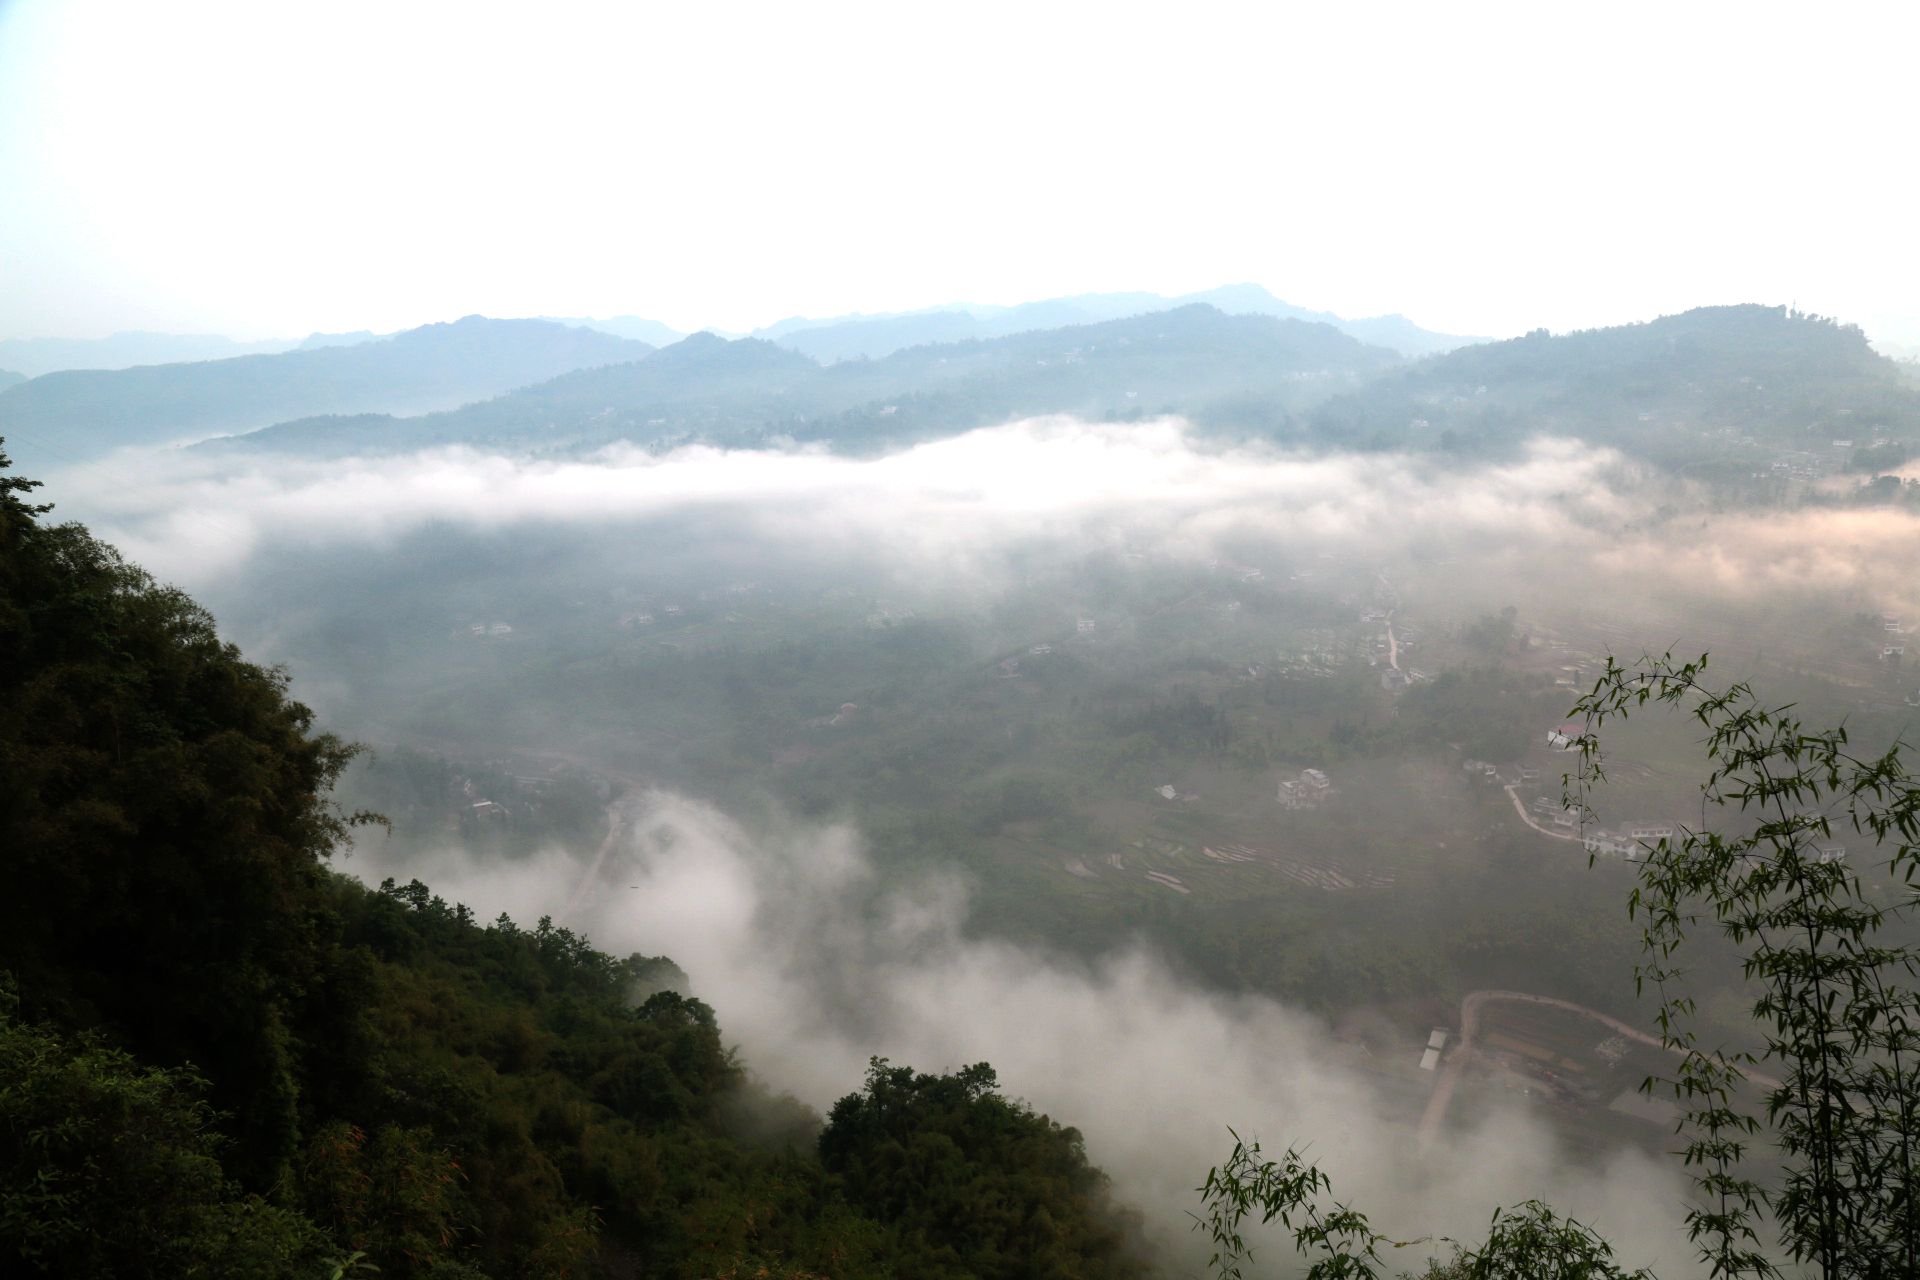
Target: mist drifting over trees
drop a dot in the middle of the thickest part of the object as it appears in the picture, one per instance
(835, 643)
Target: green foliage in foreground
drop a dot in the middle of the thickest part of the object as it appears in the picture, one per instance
(219, 1058)
(1336, 1242)
(1027, 1203)
(1825, 1155)
(109, 1168)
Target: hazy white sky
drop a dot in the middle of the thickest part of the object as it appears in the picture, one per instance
(275, 168)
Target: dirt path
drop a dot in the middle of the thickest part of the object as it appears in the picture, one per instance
(1513, 793)
(615, 821)
(629, 786)
(1463, 1050)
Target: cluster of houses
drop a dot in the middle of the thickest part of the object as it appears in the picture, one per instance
(1893, 648)
(1322, 653)
(1802, 466)
(1312, 787)
(477, 810)
(1631, 842)
(1635, 840)
(494, 629)
(1512, 775)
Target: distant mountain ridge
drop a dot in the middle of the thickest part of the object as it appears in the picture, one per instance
(1738, 384)
(32, 357)
(872, 337)
(638, 328)
(1728, 380)
(1730, 385)
(752, 391)
(75, 414)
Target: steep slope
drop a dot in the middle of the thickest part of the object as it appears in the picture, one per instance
(77, 414)
(219, 1058)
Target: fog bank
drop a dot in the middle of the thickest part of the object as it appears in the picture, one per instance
(1562, 523)
(812, 968)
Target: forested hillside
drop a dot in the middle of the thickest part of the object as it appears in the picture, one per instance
(1237, 371)
(82, 412)
(1734, 393)
(221, 1057)
(1735, 384)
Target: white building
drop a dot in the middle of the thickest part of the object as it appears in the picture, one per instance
(1309, 789)
(1563, 736)
(1612, 844)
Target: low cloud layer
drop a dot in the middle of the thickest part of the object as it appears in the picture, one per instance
(189, 516)
(1563, 518)
(814, 965)
(812, 968)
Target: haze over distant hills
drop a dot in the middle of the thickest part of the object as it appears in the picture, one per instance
(750, 391)
(1713, 386)
(855, 337)
(32, 357)
(74, 414)
(638, 328)
(1732, 384)
(827, 339)
(1711, 383)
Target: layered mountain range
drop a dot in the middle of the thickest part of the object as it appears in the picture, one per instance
(1751, 375)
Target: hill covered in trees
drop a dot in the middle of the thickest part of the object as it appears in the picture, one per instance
(1677, 390)
(1230, 370)
(221, 1057)
(1731, 392)
(83, 412)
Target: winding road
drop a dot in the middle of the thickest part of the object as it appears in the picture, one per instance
(1463, 1051)
(1513, 794)
(615, 821)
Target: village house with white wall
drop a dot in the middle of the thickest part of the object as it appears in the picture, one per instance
(1312, 787)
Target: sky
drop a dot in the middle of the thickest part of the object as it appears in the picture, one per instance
(269, 170)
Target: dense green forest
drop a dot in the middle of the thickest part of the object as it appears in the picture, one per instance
(220, 1057)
